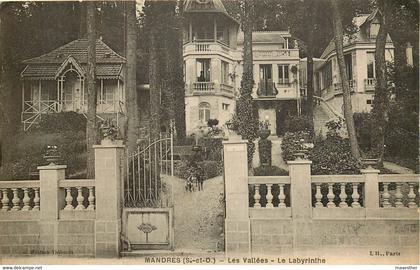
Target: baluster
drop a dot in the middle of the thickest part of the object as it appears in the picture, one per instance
(343, 196)
(269, 196)
(91, 199)
(15, 200)
(318, 195)
(36, 199)
(386, 196)
(5, 200)
(398, 196)
(80, 199)
(257, 196)
(411, 196)
(355, 195)
(69, 199)
(330, 196)
(282, 196)
(26, 200)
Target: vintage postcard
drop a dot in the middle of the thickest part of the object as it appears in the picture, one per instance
(209, 132)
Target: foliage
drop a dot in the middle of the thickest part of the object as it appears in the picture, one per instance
(59, 122)
(214, 148)
(292, 142)
(212, 122)
(207, 169)
(363, 124)
(264, 150)
(269, 171)
(295, 123)
(31, 147)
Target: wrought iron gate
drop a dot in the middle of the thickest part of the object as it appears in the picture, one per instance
(148, 209)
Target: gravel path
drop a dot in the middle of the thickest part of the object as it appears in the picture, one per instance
(198, 219)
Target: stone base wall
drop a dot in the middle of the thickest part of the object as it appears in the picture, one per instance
(364, 241)
(63, 238)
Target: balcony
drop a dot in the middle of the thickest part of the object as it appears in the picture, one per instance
(370, 84)
(267, 89)
(338, 90)
(211, 88)
(206, 47)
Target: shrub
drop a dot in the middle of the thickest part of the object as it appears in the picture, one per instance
(363, 125)
(269, 170)
(264, 150)
(209, 169)
(63, 121)
(295, 123)
(214, 148)
(292, 143)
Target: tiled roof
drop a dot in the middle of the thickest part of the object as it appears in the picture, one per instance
(211, 6)
(49, 71)
(78, 50)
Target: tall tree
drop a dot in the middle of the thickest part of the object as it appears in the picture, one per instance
(348, 112)
(91, 127)
(245, 108)
(131, 82)
(381, 104)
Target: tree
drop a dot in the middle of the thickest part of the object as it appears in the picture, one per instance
(245, 109)
(131, 81)
(348, 112)
(91, 127)
(381, 104)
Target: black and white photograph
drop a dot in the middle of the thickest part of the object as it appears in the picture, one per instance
(224, 133)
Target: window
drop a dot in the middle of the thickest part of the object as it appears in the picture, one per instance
(283, 74)
(369, 101)
(374, 28)
(222, 34)
(204, 112)
(225, 106)
(327, 75)
(203, 70)
(370, 65)
(349, 66)
(225, 72)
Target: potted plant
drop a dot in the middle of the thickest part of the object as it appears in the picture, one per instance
(108, 131)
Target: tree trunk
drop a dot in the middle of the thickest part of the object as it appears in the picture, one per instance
(248, 79)
(381, 98)
(131, 81)
(178, 79)
(348, 112)
(155, 87)
(82, 23)
(91, 128)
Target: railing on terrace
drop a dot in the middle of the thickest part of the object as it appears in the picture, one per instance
(204, 87)
(22, 195)
(206, 46)
(370, 84)
(398, 191)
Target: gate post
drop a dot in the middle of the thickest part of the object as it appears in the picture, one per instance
(108, 185)
(237, 223)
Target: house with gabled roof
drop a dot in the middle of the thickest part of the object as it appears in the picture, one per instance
(55, 82)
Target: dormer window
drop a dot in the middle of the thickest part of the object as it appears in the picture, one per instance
(374, 28)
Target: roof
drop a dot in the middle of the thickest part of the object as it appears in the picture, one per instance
(265, 37)
(359, 36)
(206, 6)
(78, 50)
(48, 66)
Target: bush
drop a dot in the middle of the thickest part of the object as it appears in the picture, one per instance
(296, 123)
(214, 148)
(269, 170)
(292, 143)
(60, 122)
(209, 169)
(264, 150)
(363, 125)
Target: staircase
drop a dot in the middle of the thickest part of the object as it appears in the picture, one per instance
(323, 112)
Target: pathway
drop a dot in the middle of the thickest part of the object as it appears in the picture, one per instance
(397, 168)
(198, 219)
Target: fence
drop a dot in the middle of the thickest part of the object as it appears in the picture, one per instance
(65, 217)
(314, 214)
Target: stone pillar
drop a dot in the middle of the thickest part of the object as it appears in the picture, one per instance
(300, 191)
(108, 187)
(51, 202)
(371, 191)
(237, 223)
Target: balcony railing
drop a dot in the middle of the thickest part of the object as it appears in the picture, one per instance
(338, 89)
(270, 54)
(370, 84)
(206, 46)
(267, 89)
(203, 87)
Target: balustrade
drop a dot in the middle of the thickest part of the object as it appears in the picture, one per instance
(399, 191)
(269, 191)
(79, 194)
(19, 196)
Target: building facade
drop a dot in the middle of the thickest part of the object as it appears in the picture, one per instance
(213, 66)
(55, 82)
(359, 56)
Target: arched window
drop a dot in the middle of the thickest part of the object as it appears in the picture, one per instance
(204, 112)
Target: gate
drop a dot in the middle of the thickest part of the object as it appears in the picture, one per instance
(147, 214)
